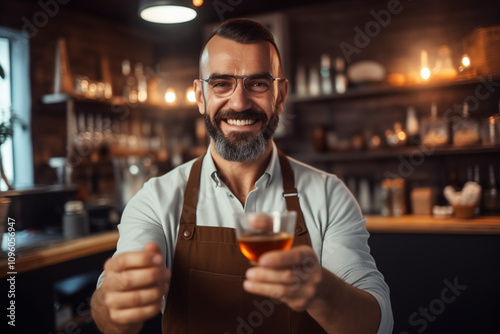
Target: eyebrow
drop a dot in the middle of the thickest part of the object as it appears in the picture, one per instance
(250, 75)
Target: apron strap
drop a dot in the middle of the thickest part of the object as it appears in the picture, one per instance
(188, 216)
(290, 193)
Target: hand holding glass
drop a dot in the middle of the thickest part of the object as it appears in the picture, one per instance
(259, 232)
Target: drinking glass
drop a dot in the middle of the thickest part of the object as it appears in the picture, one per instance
(260, 232)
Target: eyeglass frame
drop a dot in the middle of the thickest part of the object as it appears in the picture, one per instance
(242, 77)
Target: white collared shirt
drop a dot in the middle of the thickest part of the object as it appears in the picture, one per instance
(332, 216)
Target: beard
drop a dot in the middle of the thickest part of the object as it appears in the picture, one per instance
(241, 146)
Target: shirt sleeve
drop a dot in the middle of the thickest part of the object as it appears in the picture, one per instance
(140, 223)
(346, 252)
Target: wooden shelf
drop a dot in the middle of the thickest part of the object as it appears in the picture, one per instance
(116, 101)
(384, 89)
(432, 225)
(394, 153)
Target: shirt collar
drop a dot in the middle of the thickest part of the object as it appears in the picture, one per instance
(273, 166)
(271, 169)
(209, 166)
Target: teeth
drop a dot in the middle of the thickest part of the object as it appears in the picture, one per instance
(240, 122)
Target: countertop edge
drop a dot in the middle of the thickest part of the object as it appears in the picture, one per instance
(64, 251)
(432, 225)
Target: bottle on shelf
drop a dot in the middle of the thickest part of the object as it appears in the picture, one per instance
(301, 88)
(453, 178)
(129, 91)
(314, 81)
(325, 71)
(491, 198)
(477, 179)
(364, 196)
(340, 77)
(466, 130)
(434, 131)
(75, 220)
(412, 126)
(491, 129)
(142, 83)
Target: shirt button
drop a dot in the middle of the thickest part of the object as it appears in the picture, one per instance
(186, 234)
(230, 195)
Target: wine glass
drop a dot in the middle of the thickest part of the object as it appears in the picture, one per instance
(260, 232)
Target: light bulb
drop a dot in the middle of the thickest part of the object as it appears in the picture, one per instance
(466, 61)
(170, 96)
(425, 73)
(190, 95)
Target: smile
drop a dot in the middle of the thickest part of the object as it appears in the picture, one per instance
(241, 122)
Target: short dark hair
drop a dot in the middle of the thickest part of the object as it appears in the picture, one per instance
(245, 31)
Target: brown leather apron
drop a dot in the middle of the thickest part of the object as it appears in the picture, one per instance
(206, 290)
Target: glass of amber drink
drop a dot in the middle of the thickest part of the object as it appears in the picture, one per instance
(259, 232)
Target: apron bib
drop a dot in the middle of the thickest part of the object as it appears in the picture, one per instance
(206, 292)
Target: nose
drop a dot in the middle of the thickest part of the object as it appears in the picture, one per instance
(239, 100)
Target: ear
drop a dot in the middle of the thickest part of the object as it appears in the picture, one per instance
(282, 94)
(198, 93)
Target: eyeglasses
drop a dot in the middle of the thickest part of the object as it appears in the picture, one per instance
(225, 85)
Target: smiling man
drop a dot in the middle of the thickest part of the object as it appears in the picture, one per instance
(178, 253)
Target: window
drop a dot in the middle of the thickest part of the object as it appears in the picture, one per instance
(15, 98)
(5, 109)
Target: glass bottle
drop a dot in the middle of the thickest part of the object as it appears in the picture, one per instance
(142, 84)
(301, 81)
(75, 220)
(130, 86)
(326, 80)
(340, 77)
(314, 81)
(466, 130)
(412, 126)
(491, 198)
(434, 131)
(477, 179)
(453, 178)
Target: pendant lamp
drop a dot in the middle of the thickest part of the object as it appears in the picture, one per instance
(166, 11)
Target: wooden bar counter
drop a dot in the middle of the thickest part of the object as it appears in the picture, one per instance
(61, 251)
(39, 270)
(431, 225)
(442, 273)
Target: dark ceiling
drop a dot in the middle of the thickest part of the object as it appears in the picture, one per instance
(126, 12)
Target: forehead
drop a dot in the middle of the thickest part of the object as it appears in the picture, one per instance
(224, 56)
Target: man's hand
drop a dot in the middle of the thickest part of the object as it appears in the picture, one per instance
(291, 276)
(296, 278)
(133, 287)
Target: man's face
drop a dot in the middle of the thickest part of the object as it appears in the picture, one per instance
(240, 124)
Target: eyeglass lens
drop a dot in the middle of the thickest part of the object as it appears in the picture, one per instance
(225, 85)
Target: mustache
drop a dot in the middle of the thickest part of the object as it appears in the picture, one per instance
(245, 114)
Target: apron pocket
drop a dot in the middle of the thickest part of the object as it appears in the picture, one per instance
(215, 302)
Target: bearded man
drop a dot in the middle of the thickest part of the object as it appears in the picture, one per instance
(178, 253)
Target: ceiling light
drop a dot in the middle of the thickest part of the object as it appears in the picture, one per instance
(166, 11)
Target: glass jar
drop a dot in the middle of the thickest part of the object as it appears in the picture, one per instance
(466, 129)
(491, 130)
(434, 131)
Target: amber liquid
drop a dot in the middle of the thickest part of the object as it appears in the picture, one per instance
(255, 244)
